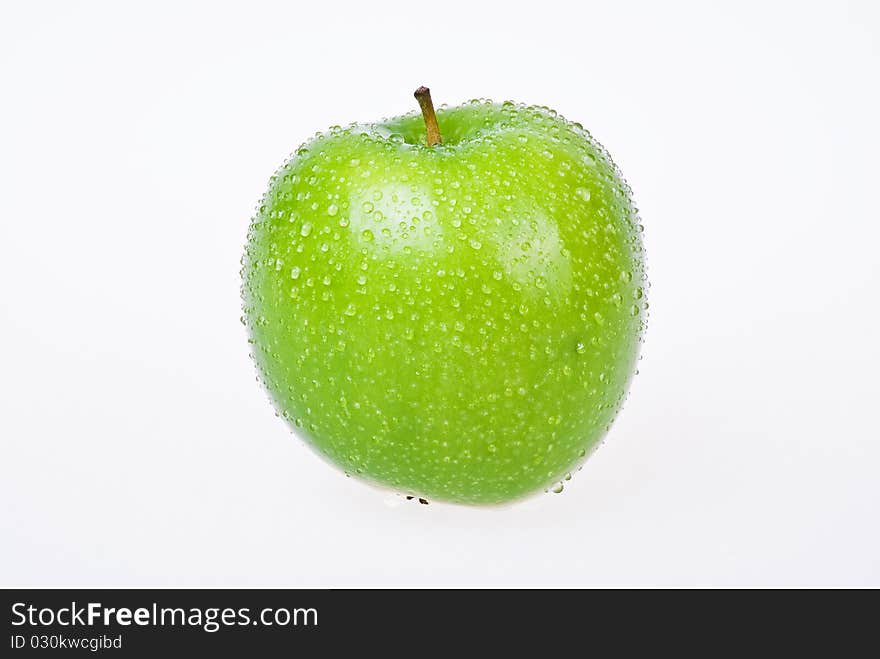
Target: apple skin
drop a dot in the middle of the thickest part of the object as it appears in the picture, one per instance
(457, 322)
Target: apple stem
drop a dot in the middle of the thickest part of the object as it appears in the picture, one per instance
(423, 96)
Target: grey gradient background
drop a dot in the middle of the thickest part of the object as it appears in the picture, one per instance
(136, 447)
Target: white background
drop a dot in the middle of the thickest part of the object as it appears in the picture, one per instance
(137, 447)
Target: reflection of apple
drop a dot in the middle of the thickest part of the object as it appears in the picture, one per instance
(455, 320)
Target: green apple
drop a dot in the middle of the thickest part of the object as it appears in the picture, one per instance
(458, 319)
